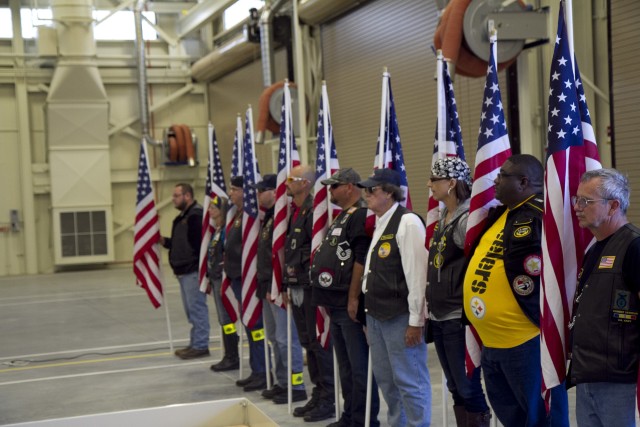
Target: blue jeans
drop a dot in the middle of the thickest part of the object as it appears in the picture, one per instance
(352, 352)
(256, 348)
(449, 340)
(513, 379)
(216, 289)
(195, 307)
(275, 319)
(606, 404)
(401, 372)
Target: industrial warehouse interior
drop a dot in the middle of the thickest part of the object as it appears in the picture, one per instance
(87, 85)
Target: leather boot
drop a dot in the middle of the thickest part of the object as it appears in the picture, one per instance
(461, 415)
(230, 360)
(478, 419)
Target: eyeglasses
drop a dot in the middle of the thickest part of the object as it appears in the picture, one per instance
(370, 190)
(295, 179)
(436, 179)
(336, 185)
(582, 202)
(507, 175)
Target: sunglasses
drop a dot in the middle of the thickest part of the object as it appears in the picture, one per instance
(371, 190)
(295, 179)
(336, 185)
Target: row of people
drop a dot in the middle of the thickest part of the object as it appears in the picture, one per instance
(378, 288)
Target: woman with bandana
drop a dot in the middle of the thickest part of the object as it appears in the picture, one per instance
(450, 184)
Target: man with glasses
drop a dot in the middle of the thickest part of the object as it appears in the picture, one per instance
(605, 333)
(275, 317)
(501, 298)
(184, 252)
(297, 252)
(394, 286)
(336, 277)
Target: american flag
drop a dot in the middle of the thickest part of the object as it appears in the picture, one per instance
(146, 253)
(214, 186)
(251, 304)
(228, 297)
(389, 149)
(493, 150)
(288, 158)
(571, 151)
(323, 210)
(448, 141)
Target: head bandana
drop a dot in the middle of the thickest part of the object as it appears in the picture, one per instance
(452, 167)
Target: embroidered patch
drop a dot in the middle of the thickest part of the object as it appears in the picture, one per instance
(523, 285)
(523, 231)
(607, 261)
(533, 265)
(293, 244)
(237, 223)
(384, 250)
(386, 237)
(325, 279)
(336, 231)
(438, 260)
(621, 300)
(478, 307)
(343, 251)
(291, 271)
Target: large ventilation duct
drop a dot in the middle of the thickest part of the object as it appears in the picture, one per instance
(77, 113)
(142, 73)
(266, 41)
(315, 12)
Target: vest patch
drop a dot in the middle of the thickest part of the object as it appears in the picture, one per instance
(438, 260)
(384, 250)
(521, 232)
(477, 307)
(343, 251)
(325, 279)
(607, 261)
(533, 265)
(523, 285)
(386, 237)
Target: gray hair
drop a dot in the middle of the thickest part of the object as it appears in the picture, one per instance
(613, 185)
(397, 193)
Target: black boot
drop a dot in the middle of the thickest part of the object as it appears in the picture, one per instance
(230, 360)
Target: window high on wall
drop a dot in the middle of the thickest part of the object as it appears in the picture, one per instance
(119, 26)
(240, 11)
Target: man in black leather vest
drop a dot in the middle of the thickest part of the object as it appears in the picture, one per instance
(336, 278)
(297, 252)
(605, 331)
(184, 252)
(394, 286)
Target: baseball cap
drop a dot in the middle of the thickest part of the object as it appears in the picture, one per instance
(268, 183)
(381, 176)
(342, 176)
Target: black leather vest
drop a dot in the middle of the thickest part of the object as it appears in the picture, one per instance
(297, 247)
(215, 254)
(387, 291)
(233, 248)
(332, 266)
(265, 268)
(182, 257)
(606, 332)
(444, 275)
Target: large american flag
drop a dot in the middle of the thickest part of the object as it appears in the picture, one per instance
(448, 141)
(493, 149)
(214, 187)
(323, 210)
(389, 149)
(251, 304)
(288, 158)
(571, 151)
(146, 253)
(229, 300)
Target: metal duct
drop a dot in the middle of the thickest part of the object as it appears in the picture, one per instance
(142, 73)
(77, 117)
(316, 12)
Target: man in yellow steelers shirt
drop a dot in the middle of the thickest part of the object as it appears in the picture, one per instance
(501, 298)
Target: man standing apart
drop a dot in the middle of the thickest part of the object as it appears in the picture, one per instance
(501, 297)
(605, 331)
(275, 317)
(336, 278)
(184, 252)
(394, 285)
(297, 251)
(257, 380)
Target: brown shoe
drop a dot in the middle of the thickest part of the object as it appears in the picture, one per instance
(194, 353)
(179, 351)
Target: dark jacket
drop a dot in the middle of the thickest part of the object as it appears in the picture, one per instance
(522, 243)
(233, 248)
(215, 255)
(184, 244)
(265, 266)
(297, 247)
(606, 328)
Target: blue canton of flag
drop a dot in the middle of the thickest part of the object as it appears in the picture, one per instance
(236, 158)
(453, 130)
(251, 175)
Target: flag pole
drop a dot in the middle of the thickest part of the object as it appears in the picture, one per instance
(568, 17)
(384, 109)
(441, 116)
(239, 137)
(287, 153)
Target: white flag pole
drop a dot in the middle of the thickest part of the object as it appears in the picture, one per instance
(384, 117)
(240, 327)
(568, 16)
(287, 133)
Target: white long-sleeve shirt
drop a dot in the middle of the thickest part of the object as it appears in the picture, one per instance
(410, 237)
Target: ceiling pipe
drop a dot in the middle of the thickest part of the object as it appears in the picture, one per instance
(266, 41)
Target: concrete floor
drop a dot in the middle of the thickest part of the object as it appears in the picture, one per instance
(79, 343)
